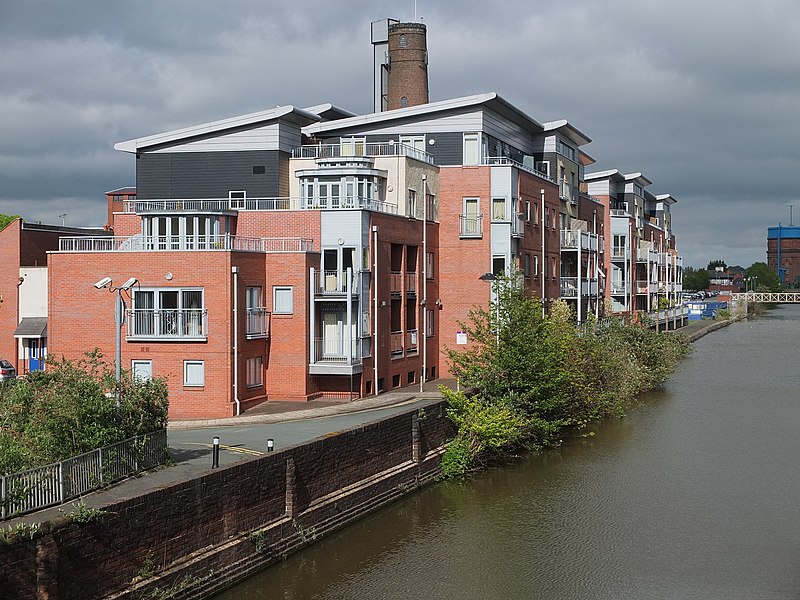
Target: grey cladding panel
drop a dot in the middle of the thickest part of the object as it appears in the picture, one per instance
(210, 174)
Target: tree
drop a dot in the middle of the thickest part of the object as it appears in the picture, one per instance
(695, 279)
(6, 219)
(766, 280)
(717, 263)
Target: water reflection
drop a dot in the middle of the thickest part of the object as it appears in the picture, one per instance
(695, 494)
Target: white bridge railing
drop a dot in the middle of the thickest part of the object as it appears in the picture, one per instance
(767, 297)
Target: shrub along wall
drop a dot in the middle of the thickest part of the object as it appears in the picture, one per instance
(203, 534)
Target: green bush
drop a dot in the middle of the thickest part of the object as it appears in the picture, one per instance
(532, 375)
(69, 409)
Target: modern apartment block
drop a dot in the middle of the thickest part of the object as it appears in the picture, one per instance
(294, 253)
(642, 263)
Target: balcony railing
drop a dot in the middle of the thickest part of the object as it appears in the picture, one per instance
(334, 283)
(470, 226)
(518, 225)
(140, 243)
(180, 324)
(618, 288)
(501, 161)
(333, 349)
(619, 253)
(257, 323)
(569, 287)
(571, 239)
(224, 205)
(355, 150)
(642, 286)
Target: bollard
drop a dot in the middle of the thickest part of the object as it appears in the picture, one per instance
(215, 453)
(270, 444)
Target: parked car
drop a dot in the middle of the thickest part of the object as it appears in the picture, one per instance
(7, 371)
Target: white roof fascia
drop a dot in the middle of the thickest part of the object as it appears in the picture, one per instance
(568, 130)
(215, 127)
(609, 174)
(488, 98)
(638, 178)
(666, 198)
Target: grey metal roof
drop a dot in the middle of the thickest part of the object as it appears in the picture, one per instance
(31, 327)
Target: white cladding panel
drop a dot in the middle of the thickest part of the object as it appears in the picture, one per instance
(503, 183)
(33, 292)
(468, 121)
(508, 132)
(341, 224)
(269, 137)
(619, 225)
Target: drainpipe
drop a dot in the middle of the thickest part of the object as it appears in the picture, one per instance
(375, 300)
(312, 318)
(580, 281)
(235, 272)
(424, 321)
(544, 256)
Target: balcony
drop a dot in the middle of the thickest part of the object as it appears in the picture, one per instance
(257, 323)
(572, 239)
(565, 192)
(642, 286)
(140, 243)
(569, 287)
(232, 205)
(619, 253)
(189, 324)
(470, 226)
(334, 283)
(618, 288)
(358, 149)
(334, 355)
(518, 225)
(504, 161)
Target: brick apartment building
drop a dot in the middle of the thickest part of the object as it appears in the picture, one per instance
(783, 253)
(298, 253)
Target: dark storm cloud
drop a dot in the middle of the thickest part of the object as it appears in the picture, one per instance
(702, 98)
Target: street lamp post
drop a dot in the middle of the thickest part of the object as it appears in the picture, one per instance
(119, 320)
(491, 277)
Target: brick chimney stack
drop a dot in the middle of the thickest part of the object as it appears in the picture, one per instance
(401, 64)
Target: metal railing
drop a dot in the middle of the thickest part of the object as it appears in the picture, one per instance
(619, 253)
(361, 149)
(140, 243)
(334, 283)
(502, 161)
(54, 484)
(333, 349)
(518, 225)
(470, 226)
(257, 322)
(224, 205)
(571, 239)
(186, 323)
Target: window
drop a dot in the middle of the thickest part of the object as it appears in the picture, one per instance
(498, 209)
(255, 371)
(429, 323)
(554, 266)
(403, 40)
(535, 266)
(535, 208)
(168, 313)
(194, 373)
(283, 300)
(527, 211)
(472, 147)
(498, 265)
(353, 146)
(142, 370)
(411, 209)
(257, 317)
(415, 141)
(471, 219)
(527, 265)
(566, 150)
(404, 104)
(429, 265)
(237, 199)
(259, 169)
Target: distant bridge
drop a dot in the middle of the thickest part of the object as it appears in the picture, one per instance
(768, 297)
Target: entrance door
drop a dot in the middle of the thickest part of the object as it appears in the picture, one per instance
(36, 359)
(332, 330)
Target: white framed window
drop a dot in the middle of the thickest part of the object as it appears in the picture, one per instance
(194, 373)
(472, 148)
(168, 312)
(283, 300)
(527, 211)
(255, 371)
(498, 209)
(142, 370)
(535, 266)
(236, 199)
(415, 141)
(353, 146)
(411, 208)
(499, 265)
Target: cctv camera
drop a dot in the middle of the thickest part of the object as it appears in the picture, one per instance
(103, 283)
(129, 284)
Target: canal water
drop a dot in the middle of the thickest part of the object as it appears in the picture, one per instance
(695, 494)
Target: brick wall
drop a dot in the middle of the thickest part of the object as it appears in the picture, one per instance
(9, 279)
(210, 524)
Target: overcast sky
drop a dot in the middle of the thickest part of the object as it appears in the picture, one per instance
(700, 96)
